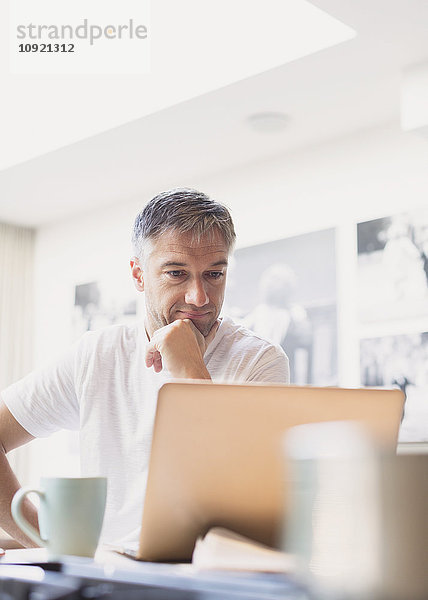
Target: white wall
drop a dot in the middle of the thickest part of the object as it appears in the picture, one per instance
(367, 175)
(71, 252)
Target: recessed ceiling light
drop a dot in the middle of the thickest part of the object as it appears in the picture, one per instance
(268, 122)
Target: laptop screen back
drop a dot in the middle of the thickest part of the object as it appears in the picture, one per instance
(216, 456)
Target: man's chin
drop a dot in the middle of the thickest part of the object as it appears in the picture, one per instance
(201, 324)
(204, 328)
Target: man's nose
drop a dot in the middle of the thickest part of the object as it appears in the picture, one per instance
(196, 294)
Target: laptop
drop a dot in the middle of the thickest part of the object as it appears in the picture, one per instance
(216, 457)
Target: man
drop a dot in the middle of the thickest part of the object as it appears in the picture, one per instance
(106, 385)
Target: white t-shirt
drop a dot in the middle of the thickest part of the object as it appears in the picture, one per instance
(102, 387)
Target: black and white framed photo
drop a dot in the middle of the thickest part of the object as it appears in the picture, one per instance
(286, 292)
(393, 267)
(401, 360)
(99, 304)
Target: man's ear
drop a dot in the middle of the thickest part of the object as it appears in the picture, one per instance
(137, 274)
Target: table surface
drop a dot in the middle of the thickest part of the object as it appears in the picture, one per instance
(110, 566)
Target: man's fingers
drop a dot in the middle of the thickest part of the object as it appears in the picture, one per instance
(154, 359)
(149, 357)
(157, 362)
(179, 346)
(204, 341)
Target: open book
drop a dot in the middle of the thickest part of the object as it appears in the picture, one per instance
(224, 549)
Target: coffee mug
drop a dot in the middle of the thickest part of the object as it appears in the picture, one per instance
(358, 517)
(70, 515)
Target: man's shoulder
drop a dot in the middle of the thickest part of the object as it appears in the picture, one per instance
(239, 354)
(240, 336)
(119, 337)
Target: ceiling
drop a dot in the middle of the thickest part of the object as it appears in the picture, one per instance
(341, 89)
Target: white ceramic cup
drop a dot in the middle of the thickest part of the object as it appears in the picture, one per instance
(70, 515)
(358, 518)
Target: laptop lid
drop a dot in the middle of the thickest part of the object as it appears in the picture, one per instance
(216, 456)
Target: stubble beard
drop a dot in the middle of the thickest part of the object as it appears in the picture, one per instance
(204, 328)
(155, 321)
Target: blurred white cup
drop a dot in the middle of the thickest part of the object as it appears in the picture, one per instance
(357, 518)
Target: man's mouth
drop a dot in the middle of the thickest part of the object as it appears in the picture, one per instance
(192, 315)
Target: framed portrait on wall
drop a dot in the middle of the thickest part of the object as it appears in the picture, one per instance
(393, 267)
(401, 360)
(393, 312)
(98, 304)
(285, 291)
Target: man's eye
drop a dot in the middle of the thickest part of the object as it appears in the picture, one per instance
(215, 274)
(175, 274)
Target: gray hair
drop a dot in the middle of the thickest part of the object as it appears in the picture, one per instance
(182, 210)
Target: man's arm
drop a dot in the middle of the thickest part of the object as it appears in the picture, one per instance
(12, 435)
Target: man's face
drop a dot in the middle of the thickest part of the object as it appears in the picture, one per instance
(184, 279)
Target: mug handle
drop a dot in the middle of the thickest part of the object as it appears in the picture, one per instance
(20, 520)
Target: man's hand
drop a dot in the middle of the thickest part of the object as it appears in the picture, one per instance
(180, 347)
